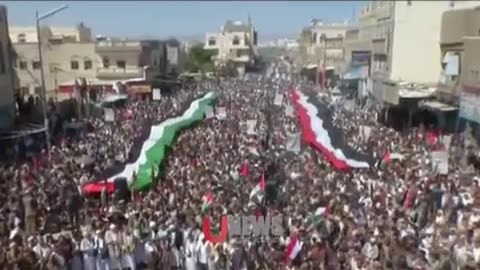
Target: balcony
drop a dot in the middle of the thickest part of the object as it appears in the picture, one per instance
(118, 46)
(119, 73)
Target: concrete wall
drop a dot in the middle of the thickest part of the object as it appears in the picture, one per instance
(79, 33)
(7, 102)
(471, 62)
(57, 64)
(415, 47)
(459, 23)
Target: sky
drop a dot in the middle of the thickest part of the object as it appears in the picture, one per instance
(182, 19)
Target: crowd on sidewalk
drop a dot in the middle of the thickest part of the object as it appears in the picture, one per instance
(404, 214)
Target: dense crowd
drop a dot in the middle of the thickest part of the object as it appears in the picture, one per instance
(401, 215)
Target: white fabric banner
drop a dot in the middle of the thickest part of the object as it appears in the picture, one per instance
(156, 94)
(278, 99)
(221, 113)
(365, 132)
(251, 127)
(210, 113)
(109, 115)
(440, 162)
(293, 142)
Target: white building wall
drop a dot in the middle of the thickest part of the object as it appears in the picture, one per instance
(224, 45)
(416, 39)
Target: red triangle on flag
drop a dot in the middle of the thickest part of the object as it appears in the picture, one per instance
(386, 157)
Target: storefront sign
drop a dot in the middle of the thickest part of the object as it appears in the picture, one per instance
(139, 89)
(360, 58)
(470, 103)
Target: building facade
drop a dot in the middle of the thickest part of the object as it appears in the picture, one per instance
(403, 40)
(459, 82)
(322, 43)
(236, 42)
(119, 59)
(7, 100)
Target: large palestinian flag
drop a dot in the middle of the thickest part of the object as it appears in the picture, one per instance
(320, 132)
(149, 152)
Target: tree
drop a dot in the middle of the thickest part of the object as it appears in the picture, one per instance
(199, 59)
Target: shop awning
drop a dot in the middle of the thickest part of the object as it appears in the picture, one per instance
(438, 106)
(356, 72)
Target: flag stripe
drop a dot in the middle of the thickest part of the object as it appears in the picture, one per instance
(293, 249)
(152, 151)
(319, 131)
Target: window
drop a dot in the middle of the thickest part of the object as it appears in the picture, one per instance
(121, 64)
(74, 65)
(2, 60)
(212, 42)
(22, 65)
(236, 40)
(21, 38)
(36, 64)
(106, 62)
(87, 64)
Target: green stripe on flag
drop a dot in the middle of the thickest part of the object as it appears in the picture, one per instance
(169, 128)
(162, 135)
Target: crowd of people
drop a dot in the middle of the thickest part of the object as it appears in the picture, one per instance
(404, 214)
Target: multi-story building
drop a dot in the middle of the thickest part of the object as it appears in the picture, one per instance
(236, 42)
(68, 54)
(119, 59)
(460, 61)
(403, 38)
(322, 43)
(7, 101)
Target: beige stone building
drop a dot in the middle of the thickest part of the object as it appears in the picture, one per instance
(236, 42)
(7, 101)
(459, 82)
(119, 59)
(403, 39)
(70, 54)
(322, 43)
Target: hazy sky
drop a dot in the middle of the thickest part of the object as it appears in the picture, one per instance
(187, 18)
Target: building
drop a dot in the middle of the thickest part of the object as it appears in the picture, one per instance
(459, 83)
(322, 43)
(28, 34)
(119, 59)
(68, 54)
(7, 100)
(236, 43)
(403, 39)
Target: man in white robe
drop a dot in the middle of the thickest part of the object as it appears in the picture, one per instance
(87, 247)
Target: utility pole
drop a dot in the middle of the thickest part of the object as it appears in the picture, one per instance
(38, 19)
(324, 74)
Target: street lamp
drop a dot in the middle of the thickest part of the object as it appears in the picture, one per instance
(39, 18)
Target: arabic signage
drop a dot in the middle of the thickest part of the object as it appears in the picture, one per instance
(139, 89)
(470, 103)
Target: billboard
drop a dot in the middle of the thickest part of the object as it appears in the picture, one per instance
(470, 103)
